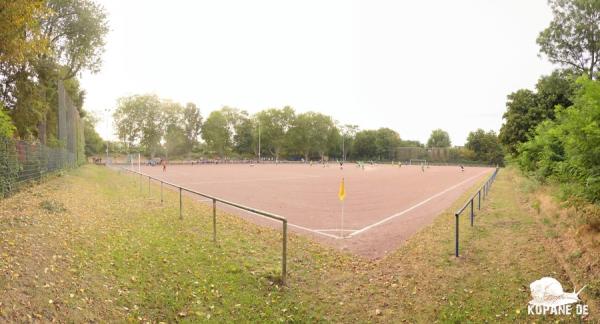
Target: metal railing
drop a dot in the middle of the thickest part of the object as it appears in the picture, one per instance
(181, 189)
(485, 189)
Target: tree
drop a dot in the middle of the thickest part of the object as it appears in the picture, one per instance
(192, 123)
(24, 102)
(461, 154)
(348, 133)
(439, 138)
(313, 132)
(300, 136)
(365, 146)
(567, 149)
(411, 143)
(20, 34)
(181, 126)
(525, 109)
(324, 133)
(518, 122)
(139, 120)
(334, 141)
(216, 133)
(173, 123)
(7, 128)
(274, 125)
(239, 128)
(486, 146)
(75, 30)
(573, 37)
(94, 144)
(553, 90)
(176, 142)
(386, 142)
(245, 132)
(58, 39)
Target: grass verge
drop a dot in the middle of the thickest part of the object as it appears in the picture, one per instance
(89, 246)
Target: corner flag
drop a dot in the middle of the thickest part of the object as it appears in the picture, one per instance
(342, 192)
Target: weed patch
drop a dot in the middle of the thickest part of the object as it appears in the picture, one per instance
(52, 206)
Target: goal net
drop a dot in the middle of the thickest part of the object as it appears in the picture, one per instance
(417, 162)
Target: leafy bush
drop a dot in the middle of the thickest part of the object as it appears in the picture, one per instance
(568, 149)
(8, 166)
(542, 154)
(6, 126)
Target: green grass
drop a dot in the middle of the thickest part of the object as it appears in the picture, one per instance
(91, 246)
(141, 262)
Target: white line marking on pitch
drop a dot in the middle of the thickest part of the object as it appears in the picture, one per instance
(313, 231)
(289, 224)
(249, 180)
(362, 230)
(335, 230)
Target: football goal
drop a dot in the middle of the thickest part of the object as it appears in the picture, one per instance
(417, 162)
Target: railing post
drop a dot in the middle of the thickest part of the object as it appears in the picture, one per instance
(479, 198)
(472, 213)
(284, 254)
(214, 220)
(456, 237)
(180, 205)
(161, 192)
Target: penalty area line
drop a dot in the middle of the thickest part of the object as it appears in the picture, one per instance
(387, 219)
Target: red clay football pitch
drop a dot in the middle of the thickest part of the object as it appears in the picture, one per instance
(384, 204)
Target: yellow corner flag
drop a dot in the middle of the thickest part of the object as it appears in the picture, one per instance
(342, 193)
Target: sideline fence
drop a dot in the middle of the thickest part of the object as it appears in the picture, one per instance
(216, 200)
(22, 162)
(485, 189)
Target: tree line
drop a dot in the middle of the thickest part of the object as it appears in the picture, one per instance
(159, 127)
(553, 132)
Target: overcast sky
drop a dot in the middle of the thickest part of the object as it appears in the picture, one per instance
(412, 66)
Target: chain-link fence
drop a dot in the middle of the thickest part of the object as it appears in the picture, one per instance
(439, 155)
(70, 125)
(22, 162)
